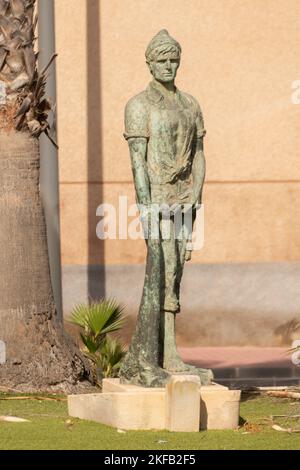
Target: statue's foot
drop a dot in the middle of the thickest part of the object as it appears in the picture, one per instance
(206, 375)
(175, 365)
(143, 373)
(152, 376)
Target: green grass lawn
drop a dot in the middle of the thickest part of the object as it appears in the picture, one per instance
(51, 428)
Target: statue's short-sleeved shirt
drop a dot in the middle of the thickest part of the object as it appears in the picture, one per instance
(171, 128)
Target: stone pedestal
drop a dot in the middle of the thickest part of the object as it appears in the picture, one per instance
(219, 407)
(183, 406)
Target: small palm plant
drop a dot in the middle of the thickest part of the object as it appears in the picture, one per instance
(112, 353)
(96, 321)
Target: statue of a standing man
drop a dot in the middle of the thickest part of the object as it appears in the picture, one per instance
(165, 131)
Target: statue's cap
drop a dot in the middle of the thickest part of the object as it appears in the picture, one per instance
(161, 39)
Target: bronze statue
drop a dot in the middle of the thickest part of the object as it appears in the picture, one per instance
(165, 131)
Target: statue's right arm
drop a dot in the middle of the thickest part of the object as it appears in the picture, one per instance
(137, 135)
(138, 154)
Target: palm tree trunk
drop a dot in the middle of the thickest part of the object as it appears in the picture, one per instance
(39, 354)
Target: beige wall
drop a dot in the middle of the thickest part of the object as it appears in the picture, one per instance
(240, 58)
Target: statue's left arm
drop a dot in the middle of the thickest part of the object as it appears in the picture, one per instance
(199, 164)
(198, 171)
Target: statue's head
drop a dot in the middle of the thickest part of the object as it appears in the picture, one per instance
(163, 57)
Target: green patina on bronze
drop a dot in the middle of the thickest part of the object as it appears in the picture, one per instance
(165, 130)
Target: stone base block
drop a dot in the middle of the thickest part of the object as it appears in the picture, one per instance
(181, 406)
(130, 411)
(219, 409)
(182, 411)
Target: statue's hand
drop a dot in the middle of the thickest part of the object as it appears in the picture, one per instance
(189, 250)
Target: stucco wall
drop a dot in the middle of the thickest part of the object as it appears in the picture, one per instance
(240, 58)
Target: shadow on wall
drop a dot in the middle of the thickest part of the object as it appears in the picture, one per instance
(227, 328)
(96, 287)
(214, 328)
(222, 329)
(222, 305)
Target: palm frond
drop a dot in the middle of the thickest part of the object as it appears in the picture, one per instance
(112, 352)
(79, 315)
(91, 345)
(104, 317)
(99, 318)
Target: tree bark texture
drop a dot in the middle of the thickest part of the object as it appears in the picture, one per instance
(39, 354)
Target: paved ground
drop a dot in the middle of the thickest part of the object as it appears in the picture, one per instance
(237, 357)
(244, 367)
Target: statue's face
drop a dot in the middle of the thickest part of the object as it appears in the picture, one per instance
(164, 67)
